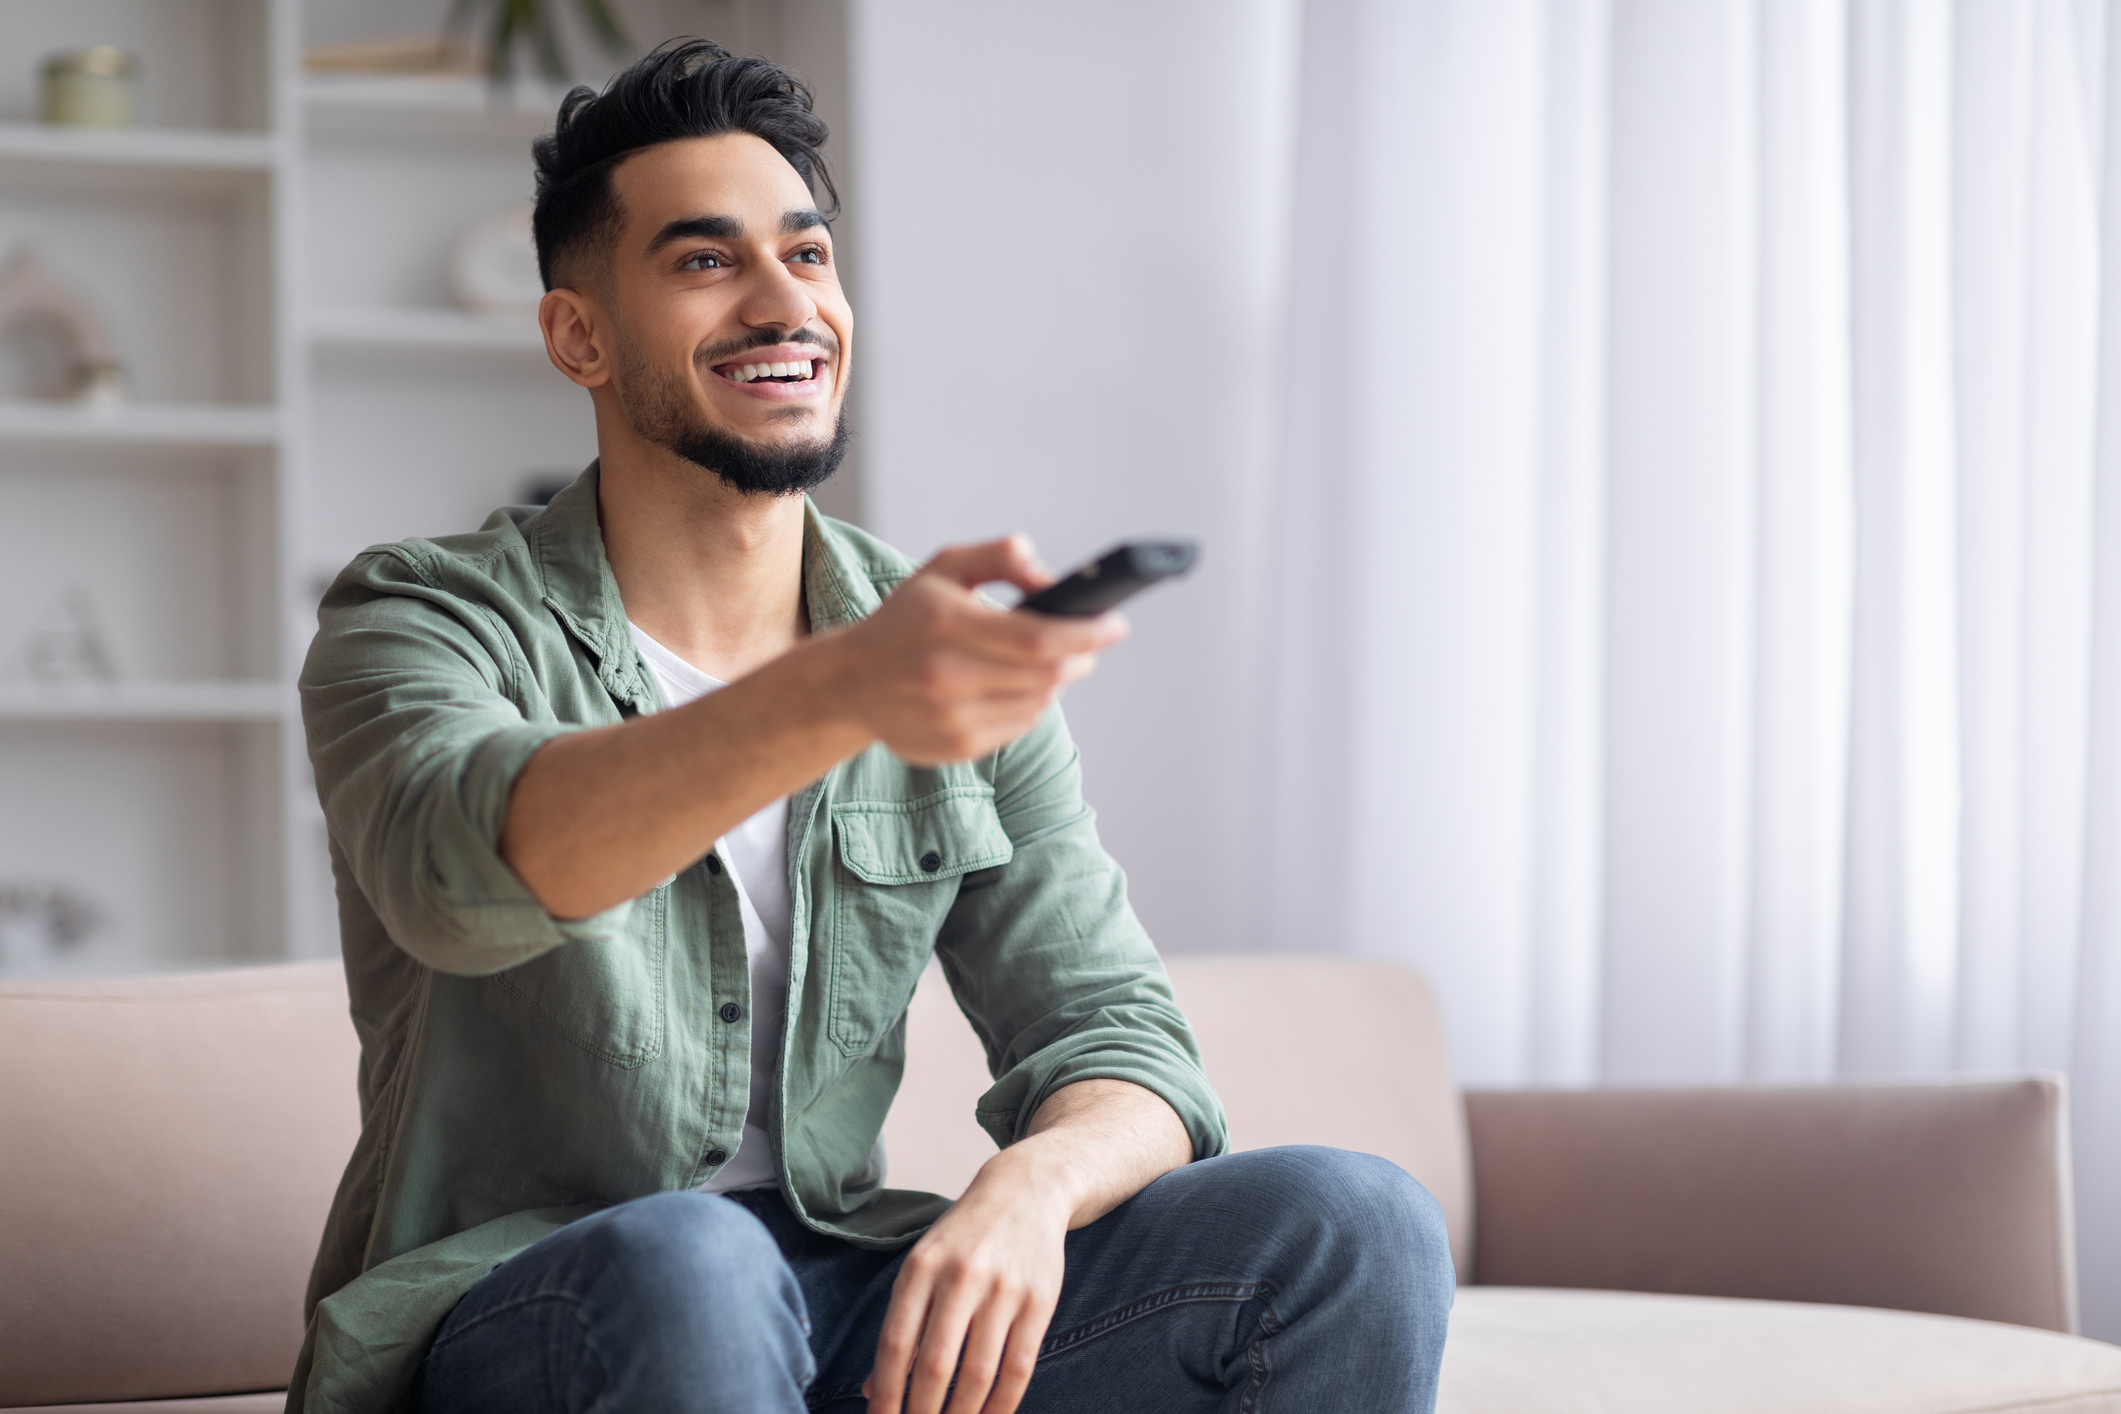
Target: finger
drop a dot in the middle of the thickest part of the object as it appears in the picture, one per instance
(1077, 666)
(1036, 638)
(983, 1355)
(899, 1340)
(1019, 1358)
(1011, 558)
(942, 1340)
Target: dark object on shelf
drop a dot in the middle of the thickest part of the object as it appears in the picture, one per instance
(510, 22)
(88, 88)
(39, 922)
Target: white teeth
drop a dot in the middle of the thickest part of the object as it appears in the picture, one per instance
(801, 368)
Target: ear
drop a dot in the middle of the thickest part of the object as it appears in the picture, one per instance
(577, 336)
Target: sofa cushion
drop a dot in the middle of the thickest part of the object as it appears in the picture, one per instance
(171, 1147)
(1302, 1051)
(1530, 1350)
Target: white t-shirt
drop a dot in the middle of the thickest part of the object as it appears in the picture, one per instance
(756, 855)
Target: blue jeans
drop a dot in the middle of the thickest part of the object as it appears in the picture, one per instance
(1280, 1281)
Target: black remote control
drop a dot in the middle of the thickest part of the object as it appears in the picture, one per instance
(1121, 572)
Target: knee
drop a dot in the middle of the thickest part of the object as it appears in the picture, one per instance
(1369, 1208)
(683, 1244)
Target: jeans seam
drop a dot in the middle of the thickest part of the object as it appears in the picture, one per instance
(1155, 1301)
(1256, 1353)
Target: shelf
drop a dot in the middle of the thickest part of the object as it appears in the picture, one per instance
(142, 702)
(140, 424)
(415, 104)
(425, 329)
(133, 159)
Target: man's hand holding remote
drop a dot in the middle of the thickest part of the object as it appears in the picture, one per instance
(937, 674)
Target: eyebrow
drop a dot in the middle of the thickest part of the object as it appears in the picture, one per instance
(728, 228)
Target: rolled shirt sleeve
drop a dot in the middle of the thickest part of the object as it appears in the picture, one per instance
(1048, 961)
(414, 701)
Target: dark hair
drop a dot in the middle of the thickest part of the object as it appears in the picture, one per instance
(685, 88)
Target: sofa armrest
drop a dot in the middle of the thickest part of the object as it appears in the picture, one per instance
(1951, 1197)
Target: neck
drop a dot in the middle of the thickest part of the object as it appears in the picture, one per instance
(712, 574)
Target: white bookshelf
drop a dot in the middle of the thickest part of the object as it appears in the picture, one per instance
(162, 797)
(269, 246)
(224, 425)
(132, 701)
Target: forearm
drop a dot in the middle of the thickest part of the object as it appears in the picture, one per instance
(602, 816)
(1093, 1145)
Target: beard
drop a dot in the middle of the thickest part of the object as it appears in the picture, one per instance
(662, 411)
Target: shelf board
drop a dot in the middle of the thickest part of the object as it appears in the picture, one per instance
(140, 424)
(142, 702)
(424, 329)
(415, 104)
(133, 159)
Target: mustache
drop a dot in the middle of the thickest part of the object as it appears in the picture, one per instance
(711, 354)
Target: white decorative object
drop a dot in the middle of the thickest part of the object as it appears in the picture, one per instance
(53, 342)
(493, 268)
(68, 645)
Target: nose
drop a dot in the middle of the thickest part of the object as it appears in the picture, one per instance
(776, 299)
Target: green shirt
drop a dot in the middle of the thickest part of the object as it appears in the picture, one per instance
(518, 1071)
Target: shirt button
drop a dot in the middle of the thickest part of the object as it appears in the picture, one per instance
(931, 861)
(714, 864)
(732, 1013)
(717, 1157)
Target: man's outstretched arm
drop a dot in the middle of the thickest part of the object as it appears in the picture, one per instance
(985, 1279)
(602, 816)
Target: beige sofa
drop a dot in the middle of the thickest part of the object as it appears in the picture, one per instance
(168, 1146)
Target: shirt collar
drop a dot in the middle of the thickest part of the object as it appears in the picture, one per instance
(567, 546)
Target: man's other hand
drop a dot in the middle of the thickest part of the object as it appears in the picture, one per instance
(983, 1281)
(938, 674)
(975, 1295)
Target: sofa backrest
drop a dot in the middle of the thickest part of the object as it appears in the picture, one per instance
(1302, 1050)
(169, 1145)
(168, 1149)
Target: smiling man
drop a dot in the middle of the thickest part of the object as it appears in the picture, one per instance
(647, 811)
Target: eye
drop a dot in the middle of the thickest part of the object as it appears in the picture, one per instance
(810, 255)
(703, 260)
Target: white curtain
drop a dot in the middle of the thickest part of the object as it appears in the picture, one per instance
(1699, 635)
(1669, 451)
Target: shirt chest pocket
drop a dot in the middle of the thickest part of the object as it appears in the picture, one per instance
(894, 880)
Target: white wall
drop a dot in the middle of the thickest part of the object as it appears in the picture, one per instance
(1069, 271)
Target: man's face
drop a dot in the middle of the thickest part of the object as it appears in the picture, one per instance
(723, 274)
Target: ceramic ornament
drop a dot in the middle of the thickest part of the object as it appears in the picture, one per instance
(493, 268)
(40, 923)
(68, 644)
(54, 335)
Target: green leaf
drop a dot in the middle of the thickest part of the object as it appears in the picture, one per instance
(606, 26)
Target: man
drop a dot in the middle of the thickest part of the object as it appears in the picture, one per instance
(648, 810)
